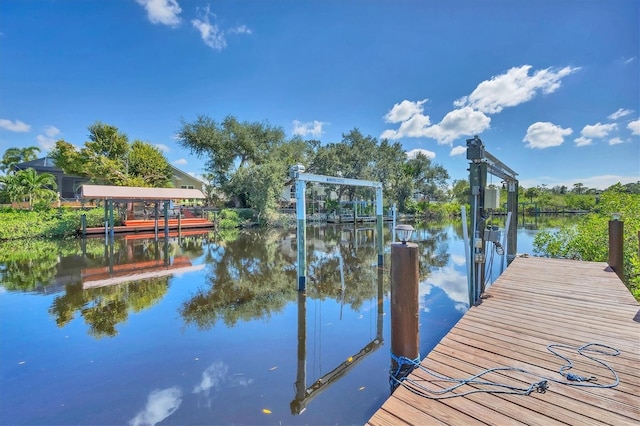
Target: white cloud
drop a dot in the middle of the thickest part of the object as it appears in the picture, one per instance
(241, 29)
(545, 135)
(414, 153)
(456, 123)
(458, 150)
(459, 122)
(48, 140)
(615, 141)
(162, 147)
(51, 131)
(449, 279)
(160, 405)
(163, 12)
(582, 141)
(634, 126)
(313, 128)
(212, 35)
(404, 111)
(629, 60)
(598, 130)
(620, 113)
(14, 126)
(514, 87)
(180, 162)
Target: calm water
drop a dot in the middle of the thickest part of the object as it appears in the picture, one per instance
(211, 330)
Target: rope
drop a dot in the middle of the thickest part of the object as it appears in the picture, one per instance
(588, 351)
(397, 376)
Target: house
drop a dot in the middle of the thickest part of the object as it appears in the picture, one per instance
(69, 186)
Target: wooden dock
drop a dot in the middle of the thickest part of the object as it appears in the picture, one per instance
(142, 225)
(536, 302)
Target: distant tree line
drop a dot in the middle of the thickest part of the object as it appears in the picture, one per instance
(247, 164)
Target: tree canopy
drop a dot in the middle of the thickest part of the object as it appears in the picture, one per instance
(108, 158)
(13, 156)
(249, 162)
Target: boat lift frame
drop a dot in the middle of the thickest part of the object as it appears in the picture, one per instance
(481, 163)
(297, 172)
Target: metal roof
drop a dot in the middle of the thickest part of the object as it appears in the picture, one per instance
(109, 192)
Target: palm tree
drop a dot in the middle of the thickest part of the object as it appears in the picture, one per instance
(34, 185)
(13, 156)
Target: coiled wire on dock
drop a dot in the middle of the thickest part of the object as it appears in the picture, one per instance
(589, 351)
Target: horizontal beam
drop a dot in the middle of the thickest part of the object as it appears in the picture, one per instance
(498, 168)
(307, 177)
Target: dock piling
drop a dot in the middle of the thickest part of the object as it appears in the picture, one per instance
(616, 247)
(405, 337)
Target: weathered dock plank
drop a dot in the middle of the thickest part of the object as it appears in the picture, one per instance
(536, 302)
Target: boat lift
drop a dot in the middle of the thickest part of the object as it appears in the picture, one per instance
(482, 200)
(297, 172)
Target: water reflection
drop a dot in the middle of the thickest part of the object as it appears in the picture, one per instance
(308, 358)
(305, 394)
(160, 405)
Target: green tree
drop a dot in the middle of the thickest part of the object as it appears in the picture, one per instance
(230, 145)
(147, 166)
(108, 158)
(578, 188)
(13, 156)
(429, 179)
(461, 191)
(531, 193)
(32, 186)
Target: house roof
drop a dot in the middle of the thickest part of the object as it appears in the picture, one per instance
(108, 192)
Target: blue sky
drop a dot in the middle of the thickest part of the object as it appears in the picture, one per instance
(551, 86)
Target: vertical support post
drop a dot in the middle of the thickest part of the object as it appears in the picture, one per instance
(166, 219)
(379, 214)
(155, 222)
(380, 319)
(106, 220)
(477, 183)
(405, 338)
(394, 209)
(180, 223)
(111, 220)
(512, 231)
(83, 223)
(297, 405)
(616, 247)
(301, 216)
(111, 257)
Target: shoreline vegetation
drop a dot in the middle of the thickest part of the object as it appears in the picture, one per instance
(586, 239)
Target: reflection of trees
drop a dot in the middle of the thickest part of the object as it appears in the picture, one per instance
(26, 265)
(248, 279)
(105, 307)
(433, 247)
(359, 267)
(253, 276)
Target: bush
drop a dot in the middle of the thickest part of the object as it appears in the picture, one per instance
(52, 223)
(589, 238)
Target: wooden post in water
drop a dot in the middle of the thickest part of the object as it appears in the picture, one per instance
(405, 338)
(616, 247)
(83, 221)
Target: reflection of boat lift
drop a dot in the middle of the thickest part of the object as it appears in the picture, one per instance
(305, 394)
